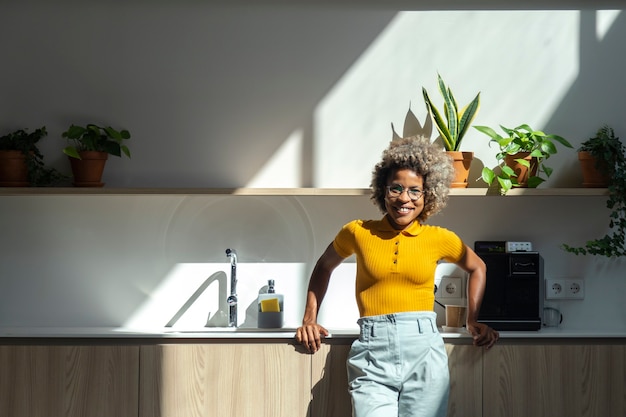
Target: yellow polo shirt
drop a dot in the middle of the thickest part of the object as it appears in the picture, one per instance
(396, 269)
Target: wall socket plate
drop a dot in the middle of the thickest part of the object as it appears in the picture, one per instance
(519, 247)
(450, 287)
(565, 289)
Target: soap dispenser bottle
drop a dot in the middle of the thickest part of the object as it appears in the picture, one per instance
(270, 308)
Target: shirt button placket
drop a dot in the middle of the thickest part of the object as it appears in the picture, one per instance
(395, 253)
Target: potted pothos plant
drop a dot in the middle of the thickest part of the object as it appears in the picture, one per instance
(611, 155)
(21, 161)
(521, 156)
(89, 151)
(452, 124)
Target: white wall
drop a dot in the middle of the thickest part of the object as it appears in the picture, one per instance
(279, 97)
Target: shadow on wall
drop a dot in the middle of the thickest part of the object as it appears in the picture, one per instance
(596, 89)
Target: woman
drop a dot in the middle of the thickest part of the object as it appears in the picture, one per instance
(398, 366)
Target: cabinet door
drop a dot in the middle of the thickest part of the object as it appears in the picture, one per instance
(69, 381)
(329, 382)
(555, 380)
(208, 380)
(465, 363)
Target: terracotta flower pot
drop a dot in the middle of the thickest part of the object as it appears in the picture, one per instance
(13, 169)
(593, 176)
(88, 170)
(522, 172)
(461, 163)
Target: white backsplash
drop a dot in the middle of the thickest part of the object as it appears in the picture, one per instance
(135, 261)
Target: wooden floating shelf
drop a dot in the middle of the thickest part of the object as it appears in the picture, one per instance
(455, 192)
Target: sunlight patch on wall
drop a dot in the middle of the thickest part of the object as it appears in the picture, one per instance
(193, 295)
(509, 56)
(283, 169)
(604, 21)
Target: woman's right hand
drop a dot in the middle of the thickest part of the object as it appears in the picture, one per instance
(310, 336)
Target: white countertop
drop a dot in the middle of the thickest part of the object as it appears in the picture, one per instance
(243, 333)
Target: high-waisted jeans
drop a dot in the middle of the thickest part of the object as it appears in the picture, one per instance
(399, 367)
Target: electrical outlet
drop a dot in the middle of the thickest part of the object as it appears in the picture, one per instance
(519, 247)
(565, 289)
(450, 287)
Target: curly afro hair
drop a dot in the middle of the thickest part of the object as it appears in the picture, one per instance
(418, 154)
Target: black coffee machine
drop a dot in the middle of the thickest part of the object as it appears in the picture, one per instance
(515, 288)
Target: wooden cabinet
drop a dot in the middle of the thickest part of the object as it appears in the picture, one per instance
(276, 379)
(555, 380)
(207, 380)
(69, 381)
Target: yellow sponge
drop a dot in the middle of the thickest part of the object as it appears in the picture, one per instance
(270, 305)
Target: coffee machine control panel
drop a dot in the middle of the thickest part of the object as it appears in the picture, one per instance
(501, 246)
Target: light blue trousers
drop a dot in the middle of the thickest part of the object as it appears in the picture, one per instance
(399, 367)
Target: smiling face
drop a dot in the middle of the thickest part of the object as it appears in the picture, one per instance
(401, 210)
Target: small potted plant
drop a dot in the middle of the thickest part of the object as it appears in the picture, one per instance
(21, 161)
(453, 128)
(599, 156)
(611, 153)
(91, 145)
(521, 156)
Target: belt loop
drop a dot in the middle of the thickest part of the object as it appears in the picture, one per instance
(433, 326)
(419, 326)
(372, 333)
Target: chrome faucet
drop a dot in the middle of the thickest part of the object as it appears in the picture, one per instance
(232, 298)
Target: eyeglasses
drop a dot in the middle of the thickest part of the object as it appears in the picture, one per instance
(396, 191)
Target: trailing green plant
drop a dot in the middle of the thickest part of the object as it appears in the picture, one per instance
(522, 138)
(39, 175)
(611, 155)
(457, 122)
(96, 138)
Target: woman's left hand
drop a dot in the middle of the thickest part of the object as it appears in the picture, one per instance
(483, 335)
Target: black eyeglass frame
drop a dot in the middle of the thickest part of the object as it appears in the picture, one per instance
(396, 191)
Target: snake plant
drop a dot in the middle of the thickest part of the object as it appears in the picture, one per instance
(457, 122)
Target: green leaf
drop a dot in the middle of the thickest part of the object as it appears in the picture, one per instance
(71, 152)
(533, 182)
(505, 185)
(507, 171)
(439, 122)
(74, 132)
(488, 175)
(538, 154)
(523, 162)
(488, 131)
(548, 147)
(466, 117)
(547, 170)
(112, 133)
(561, 140)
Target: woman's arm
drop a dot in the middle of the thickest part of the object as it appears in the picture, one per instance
(310, 333)
(483, 335)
